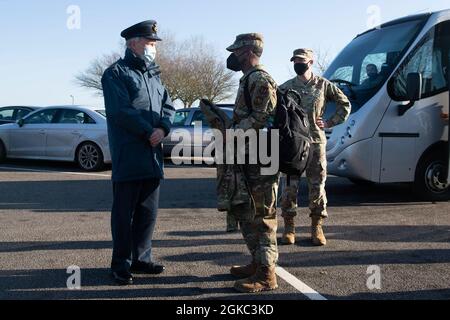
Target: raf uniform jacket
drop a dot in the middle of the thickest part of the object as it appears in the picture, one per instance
(315, 94)
(136, 103)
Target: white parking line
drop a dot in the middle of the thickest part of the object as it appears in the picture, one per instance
(61, 172)
(299, 285)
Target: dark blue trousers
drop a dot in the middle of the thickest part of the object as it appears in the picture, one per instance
(133, 219)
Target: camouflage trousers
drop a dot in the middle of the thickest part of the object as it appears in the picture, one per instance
(316, 174)
(259, 222)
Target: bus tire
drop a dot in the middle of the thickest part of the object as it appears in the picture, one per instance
(430, 180)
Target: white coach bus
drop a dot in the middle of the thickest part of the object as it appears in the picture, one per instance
(398, 129)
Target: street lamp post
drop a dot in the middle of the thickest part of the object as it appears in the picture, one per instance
(73, 99)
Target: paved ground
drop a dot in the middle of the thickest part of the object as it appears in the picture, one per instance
(52, 220)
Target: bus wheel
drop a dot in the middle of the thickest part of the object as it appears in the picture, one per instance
(430, 182)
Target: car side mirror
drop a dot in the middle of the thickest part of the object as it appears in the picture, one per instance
(20, 122)
(413, 91)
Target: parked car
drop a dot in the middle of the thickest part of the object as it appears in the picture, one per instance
(186, 119)
(14, 113)
(64, 133)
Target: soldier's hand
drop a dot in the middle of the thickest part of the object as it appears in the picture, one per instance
(157, 137)
(321, 123)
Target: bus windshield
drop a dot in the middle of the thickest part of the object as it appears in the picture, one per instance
(365, 64)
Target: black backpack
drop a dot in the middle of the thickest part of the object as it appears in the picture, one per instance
(293, 125)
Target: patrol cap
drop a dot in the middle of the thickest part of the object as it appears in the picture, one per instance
(146, 29)
(307, 54)
(248, 39)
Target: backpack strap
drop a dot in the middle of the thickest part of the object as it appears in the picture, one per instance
(248, 99)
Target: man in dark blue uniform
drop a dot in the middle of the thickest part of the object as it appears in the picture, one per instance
(139, 115)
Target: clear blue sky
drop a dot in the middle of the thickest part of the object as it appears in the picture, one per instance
(39, 55)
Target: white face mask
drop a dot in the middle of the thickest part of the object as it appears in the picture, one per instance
(150, 53)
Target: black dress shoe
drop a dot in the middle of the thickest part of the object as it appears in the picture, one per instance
(122, 278)
(147, 268)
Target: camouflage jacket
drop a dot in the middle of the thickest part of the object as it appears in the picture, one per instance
(232, 187)
(315, 95)
(263, 92)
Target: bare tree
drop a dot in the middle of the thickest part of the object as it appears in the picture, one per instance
(190, 70)
(91, 78)
(322, 61)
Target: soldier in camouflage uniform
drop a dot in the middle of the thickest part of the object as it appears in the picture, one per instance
(258, 219)
(315, 92)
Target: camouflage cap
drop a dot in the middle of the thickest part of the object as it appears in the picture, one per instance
(307, 54)
(247, 39)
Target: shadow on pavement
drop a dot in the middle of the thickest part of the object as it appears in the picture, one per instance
(438, 294)
(405, 234)
(342, 193)
(366, 257)
(96, 195)
(27, 246)
(51, 284)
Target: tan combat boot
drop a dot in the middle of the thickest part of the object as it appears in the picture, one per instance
(243, 272)
(317, 236)
(264, 279)
(288, 237)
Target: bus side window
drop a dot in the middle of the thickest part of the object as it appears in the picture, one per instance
(430, 58)
(443, 49)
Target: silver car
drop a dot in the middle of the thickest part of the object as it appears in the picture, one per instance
(14, 113)
(64, 133)
(186, 119)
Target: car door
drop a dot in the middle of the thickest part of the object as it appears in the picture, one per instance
(29, 140)
(65, 132)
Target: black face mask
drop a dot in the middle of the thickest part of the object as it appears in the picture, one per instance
(233, 63)
(301, 68)
(372, 76)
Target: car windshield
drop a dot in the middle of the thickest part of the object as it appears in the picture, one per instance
(102, 112)
(366, 63)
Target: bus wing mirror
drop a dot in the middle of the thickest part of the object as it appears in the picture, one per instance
(414, 86)
(413, 91)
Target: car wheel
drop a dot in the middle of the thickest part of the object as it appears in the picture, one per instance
(2, 152)
(430, 181)
(89, 157)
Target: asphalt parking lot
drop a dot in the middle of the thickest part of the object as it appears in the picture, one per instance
(53, 216)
